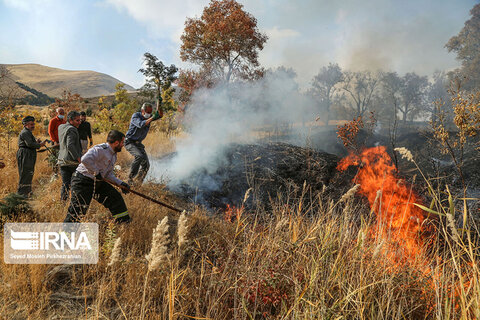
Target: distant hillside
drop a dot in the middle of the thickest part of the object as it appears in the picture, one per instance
(53, 81)
(35, 97)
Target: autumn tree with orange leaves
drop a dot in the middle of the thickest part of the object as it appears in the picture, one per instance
(225, 41)
(68, 101)
(191, 80)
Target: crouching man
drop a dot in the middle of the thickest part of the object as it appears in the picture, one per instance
(90, 181)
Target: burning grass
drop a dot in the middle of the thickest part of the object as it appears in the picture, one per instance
(286, 265)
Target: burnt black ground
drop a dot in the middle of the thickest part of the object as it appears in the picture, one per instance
(270, 170)
(276, 169)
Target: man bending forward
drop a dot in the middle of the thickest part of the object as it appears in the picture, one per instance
(89, 181)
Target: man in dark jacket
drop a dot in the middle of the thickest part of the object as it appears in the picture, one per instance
(70, 150)
(137, 131)
(85, 131)
(27, 156)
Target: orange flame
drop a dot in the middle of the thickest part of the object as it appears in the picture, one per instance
(399, 224)
(232, 213)
(398, 220)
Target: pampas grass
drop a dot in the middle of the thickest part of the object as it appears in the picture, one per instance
(158, 254)
(405, 153)
(182, 230)
(350, 193)
(116, 252)
(160, 241)
(325, 265)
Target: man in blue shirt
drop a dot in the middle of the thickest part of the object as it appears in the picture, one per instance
(137, 131)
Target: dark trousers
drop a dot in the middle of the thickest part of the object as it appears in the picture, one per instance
(140, 164)
(84, 189)
(26, 159)
(66, 172)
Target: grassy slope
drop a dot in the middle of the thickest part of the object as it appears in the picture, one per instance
(286, 266)
(52, 81)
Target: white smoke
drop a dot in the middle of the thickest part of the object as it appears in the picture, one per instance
(227, 114)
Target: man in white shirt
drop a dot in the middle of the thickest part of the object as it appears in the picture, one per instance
(90, 181)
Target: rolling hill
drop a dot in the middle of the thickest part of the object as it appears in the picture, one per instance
(53, 81)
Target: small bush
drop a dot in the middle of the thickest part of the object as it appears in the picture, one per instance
(12, 205)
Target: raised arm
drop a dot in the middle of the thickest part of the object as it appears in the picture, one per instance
(138, 122)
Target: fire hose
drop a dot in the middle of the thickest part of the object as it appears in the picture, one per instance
(127, 189)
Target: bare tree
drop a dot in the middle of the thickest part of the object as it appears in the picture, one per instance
(9, 90)
(413, 95)
(360, 88)
(391, 92)
(324, 86)
(437, 92)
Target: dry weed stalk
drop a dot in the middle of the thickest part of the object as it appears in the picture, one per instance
(350, 193)
(182, 230)
(405, 153)
(453, 228)
(159, 251)
(115, 256)
(378, 197)
(281, 224)
(158, 254)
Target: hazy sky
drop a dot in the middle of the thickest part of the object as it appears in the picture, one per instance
(111, 36)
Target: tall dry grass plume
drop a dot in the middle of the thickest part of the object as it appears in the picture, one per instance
(182, 230)
(116, 252)
(160, 240)
(293, 262)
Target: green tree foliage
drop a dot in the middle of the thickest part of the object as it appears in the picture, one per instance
(466, 45)
(159, 77)
(224, 41)
(119, 116)
(168, 101)
(121, 94)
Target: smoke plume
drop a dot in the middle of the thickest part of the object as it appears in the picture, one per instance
(234, 113)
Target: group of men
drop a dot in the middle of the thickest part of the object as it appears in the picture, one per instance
(87, 173)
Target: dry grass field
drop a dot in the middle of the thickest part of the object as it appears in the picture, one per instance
(237, 265)
(53, 81)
